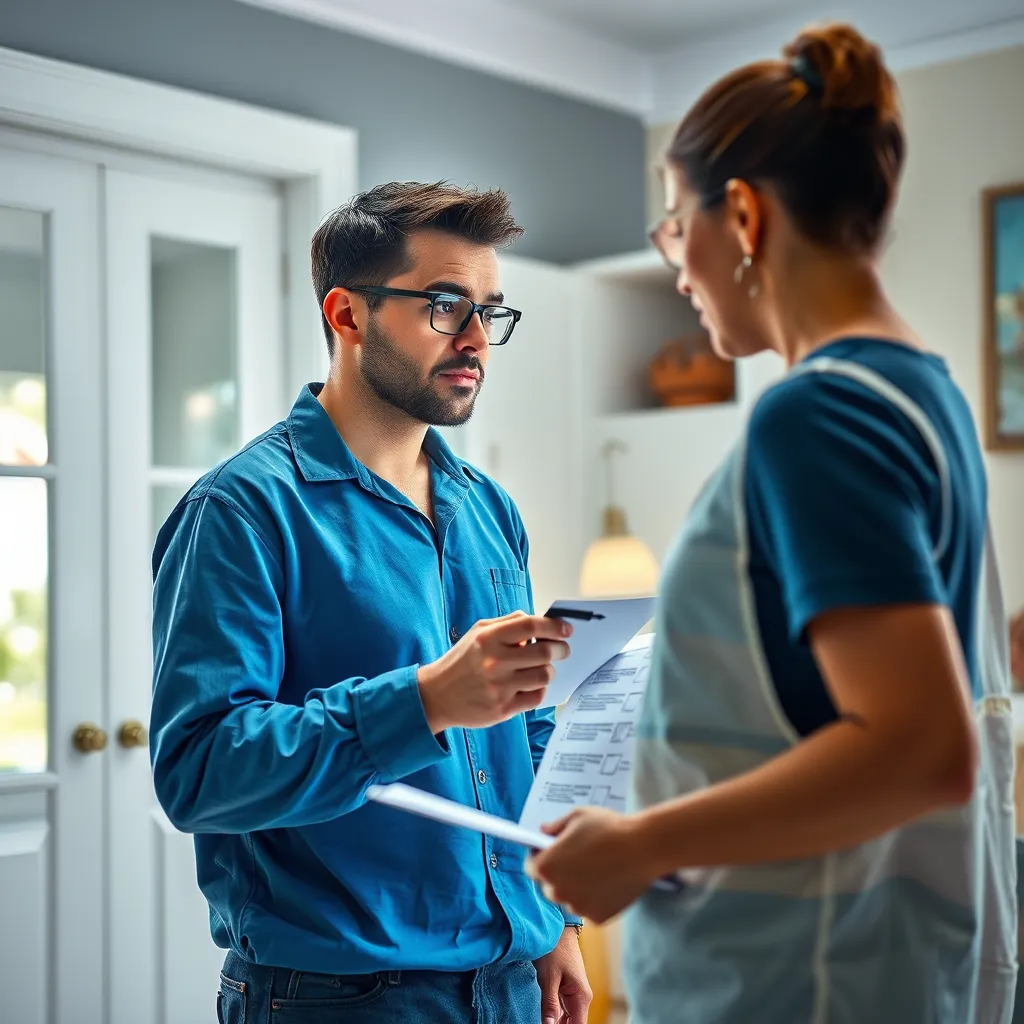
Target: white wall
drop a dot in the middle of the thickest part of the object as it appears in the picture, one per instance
(964, 126)
(525, 431)
(963, 123)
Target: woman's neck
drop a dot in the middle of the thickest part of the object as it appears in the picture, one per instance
(827, 298)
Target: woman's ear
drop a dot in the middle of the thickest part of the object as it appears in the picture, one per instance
(743, 212)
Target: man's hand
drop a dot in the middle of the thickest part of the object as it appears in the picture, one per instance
(565, 993)
(494, 672)
(599, 865)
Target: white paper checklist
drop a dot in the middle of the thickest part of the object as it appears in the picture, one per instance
(601, 629)
(588, 758)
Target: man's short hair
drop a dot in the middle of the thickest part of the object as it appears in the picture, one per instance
(364, 241)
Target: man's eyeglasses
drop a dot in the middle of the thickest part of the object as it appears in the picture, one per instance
(451, 314)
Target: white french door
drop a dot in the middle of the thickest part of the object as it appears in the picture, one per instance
(52, 760)
(195, 369)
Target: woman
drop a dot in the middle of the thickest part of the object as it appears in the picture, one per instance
(824, 754)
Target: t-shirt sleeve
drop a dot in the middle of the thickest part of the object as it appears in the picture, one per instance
(843, 498)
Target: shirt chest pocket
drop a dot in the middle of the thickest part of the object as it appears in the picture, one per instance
(511, 592)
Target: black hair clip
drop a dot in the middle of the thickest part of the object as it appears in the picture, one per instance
(802, 68)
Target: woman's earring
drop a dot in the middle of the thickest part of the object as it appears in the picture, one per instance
(741, 268)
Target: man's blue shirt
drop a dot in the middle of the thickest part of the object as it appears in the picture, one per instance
(296, 594)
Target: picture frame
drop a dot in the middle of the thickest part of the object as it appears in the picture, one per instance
(1003, 316)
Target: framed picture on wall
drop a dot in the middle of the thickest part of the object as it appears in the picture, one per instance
(1003, 344)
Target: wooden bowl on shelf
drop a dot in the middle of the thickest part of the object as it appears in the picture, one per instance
(687, 372)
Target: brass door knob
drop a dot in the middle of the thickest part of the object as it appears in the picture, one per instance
(89, 738)
(132, 734)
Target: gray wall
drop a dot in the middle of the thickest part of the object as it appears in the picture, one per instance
(575, 172)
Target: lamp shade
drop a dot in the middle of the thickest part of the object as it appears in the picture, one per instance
(618, 566)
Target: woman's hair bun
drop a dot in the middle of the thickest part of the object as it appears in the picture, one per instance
(844, 70)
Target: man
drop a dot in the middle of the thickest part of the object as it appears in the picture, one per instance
(344, 603)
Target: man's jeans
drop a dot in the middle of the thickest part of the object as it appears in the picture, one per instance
(497, 994)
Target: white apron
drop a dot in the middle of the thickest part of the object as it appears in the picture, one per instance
(917, 926)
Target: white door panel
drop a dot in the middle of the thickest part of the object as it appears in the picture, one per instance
(196, 364)
(51, 593)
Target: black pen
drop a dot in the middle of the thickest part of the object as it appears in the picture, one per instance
(572, 613)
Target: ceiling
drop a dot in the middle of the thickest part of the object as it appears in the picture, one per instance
(654, 25)
(651, 58)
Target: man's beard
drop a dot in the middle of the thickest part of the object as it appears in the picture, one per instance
(397, 380)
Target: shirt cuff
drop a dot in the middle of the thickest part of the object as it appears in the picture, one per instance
(392, 725)
(571, 920)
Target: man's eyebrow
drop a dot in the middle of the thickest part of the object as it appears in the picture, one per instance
(460, 289)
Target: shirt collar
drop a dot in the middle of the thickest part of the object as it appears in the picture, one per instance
(322, 455)
(319, 450)
(439, 452)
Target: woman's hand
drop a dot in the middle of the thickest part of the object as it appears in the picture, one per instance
(1017, 647)
(597, 867)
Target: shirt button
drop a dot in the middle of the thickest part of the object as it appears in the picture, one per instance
(454, 634)
(494, 860)
(481, 777)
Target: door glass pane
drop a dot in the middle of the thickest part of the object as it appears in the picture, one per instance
(22, 338)
(194, 341)
(23, 624)
(163, 498)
